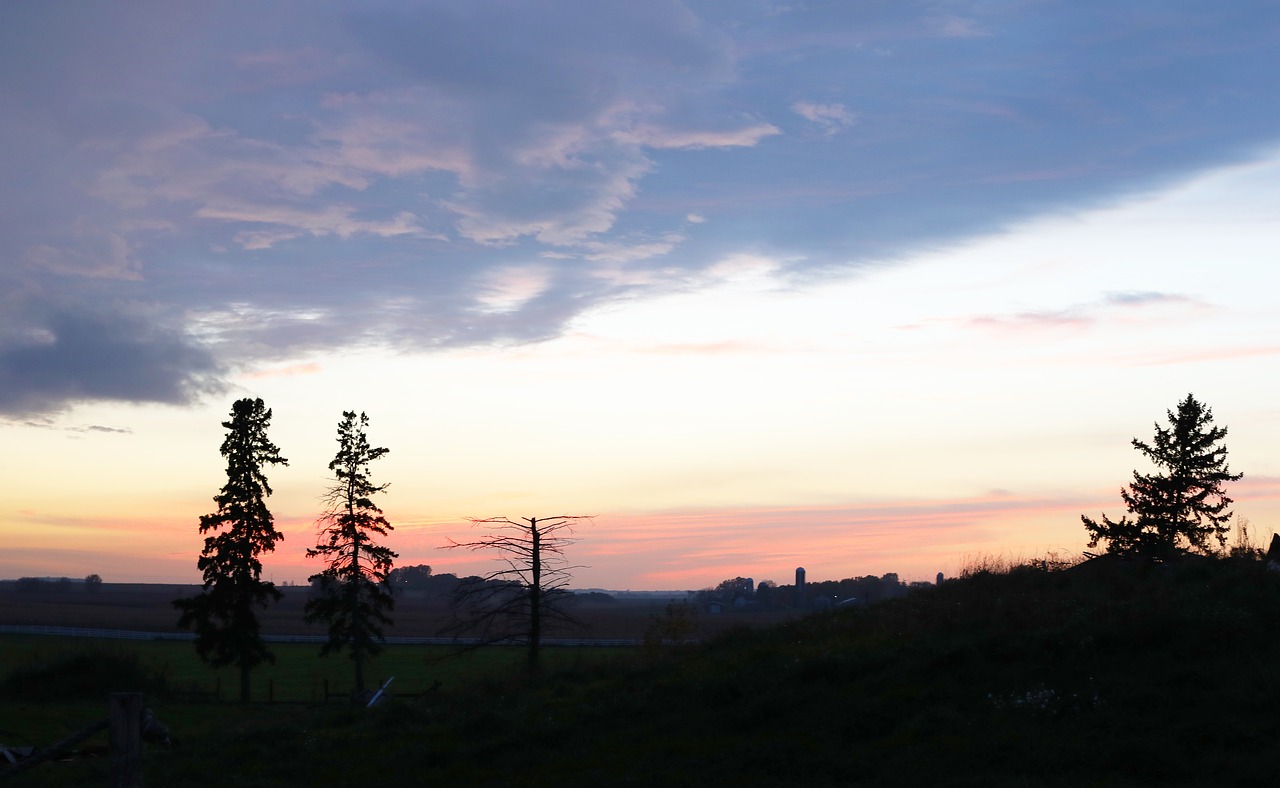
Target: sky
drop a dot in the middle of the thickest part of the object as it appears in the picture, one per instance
(863, 287)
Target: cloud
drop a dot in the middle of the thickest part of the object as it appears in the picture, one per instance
(47, 423)
(1111, 306)
(1144, 298)
(264, 191)
(1040, 319)
(95, 255)
(630, 251)
(656, 137)
(507, 290)
(831, 117)
(563, 206)
(77, 357)
(268, 188)
(109, 430)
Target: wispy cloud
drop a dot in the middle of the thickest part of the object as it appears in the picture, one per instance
(832, 118)
(649, 136)
(1127, 305)
(46, 423)
(1145, 298)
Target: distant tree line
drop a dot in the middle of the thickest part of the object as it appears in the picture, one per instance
(741, 592)
(90, 584)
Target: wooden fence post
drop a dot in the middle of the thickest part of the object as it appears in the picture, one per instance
(124, 723)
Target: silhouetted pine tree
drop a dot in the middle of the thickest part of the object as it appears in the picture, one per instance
(223, 615)
(1184, 505)
(353, 595)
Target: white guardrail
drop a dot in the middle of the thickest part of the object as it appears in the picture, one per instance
(124, 634)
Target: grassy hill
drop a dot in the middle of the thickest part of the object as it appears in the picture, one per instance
(1102, 674)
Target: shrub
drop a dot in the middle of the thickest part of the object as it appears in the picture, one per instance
(85, 675)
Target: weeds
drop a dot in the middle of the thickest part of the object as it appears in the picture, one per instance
(1003, 564)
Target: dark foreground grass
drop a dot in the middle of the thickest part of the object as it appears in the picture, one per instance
(56, 668)
(1105, 674)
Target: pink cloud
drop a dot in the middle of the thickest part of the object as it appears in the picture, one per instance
(290, 371)
(1125, 307)
(652, 136)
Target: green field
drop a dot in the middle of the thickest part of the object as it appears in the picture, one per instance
(299, 674)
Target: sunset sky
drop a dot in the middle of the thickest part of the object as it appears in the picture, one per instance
(865, 287)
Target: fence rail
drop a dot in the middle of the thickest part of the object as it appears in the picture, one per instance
(125, 634)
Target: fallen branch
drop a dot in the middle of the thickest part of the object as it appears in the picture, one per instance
(52, 752)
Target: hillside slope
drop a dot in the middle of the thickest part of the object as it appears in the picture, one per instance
(1104, 674)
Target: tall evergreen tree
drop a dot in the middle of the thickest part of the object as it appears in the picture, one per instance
(223, 614)
(1183, 505)
(353, 596)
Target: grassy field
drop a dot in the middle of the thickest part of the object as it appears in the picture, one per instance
(47, 680)
(1105, 674)
(149, 608)
(298, 675)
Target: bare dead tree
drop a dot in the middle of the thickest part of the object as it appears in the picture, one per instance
(521, 600)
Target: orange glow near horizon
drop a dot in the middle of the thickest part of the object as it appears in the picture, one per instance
(670, 550)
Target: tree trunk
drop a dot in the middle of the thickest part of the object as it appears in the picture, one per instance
(244, 683)
(535, 597)
(357, 620)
